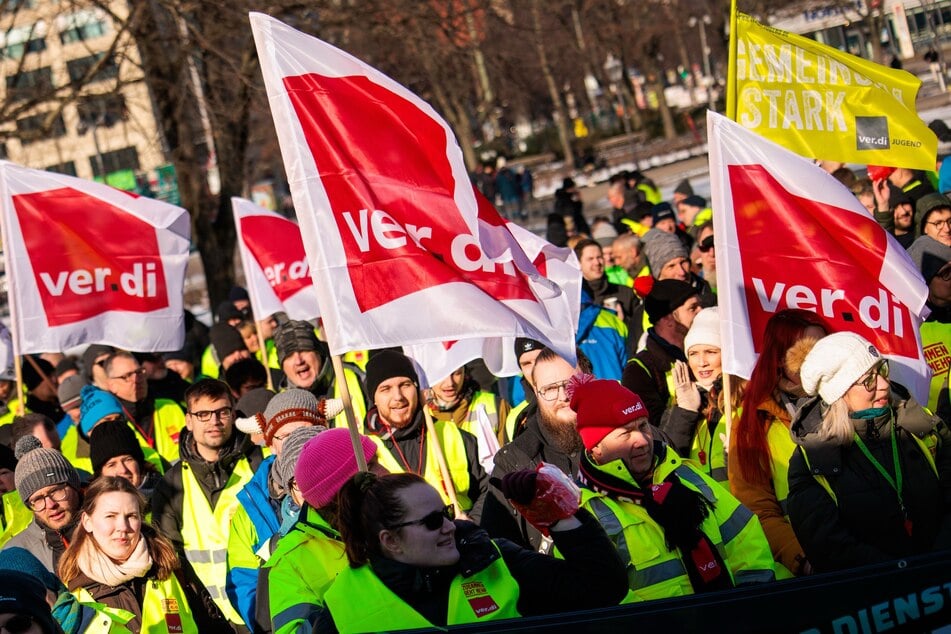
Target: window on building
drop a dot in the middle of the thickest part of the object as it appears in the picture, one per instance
(39, 127)
(12, 6)
(101, 111)
(68, 168)
(124, 159)
(81, 26)
(80, 68)
(29, 84)
(20, 40)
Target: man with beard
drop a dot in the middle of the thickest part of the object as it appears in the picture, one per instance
(48, 485)
(549, 436)
(196, 499)
(159, 421)
(305, 361)
(904, 215)
(671, 306)
(396, 424)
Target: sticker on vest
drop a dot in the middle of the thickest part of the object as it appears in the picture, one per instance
(173, 620)
(479, 599)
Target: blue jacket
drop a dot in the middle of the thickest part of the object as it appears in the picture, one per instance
(255, 498)
(602, 337)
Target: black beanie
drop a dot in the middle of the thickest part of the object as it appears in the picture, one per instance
(665, 297)
(387, 365)
(225, 340)
(8, 459)
(524, 344)
(110, 439)
(32, 378)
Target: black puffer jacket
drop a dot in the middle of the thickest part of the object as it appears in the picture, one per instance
(865, 524)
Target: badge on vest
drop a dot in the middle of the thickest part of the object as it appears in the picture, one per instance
(482, 604)
(173, 620)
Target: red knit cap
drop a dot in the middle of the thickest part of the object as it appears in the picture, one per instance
(601, 406)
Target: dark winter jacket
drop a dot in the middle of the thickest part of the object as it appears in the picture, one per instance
(590, 576)
(408, 441)
(530, 447)
(865, 523)
(646, 375)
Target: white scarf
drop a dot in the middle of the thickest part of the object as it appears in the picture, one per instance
(96, 565)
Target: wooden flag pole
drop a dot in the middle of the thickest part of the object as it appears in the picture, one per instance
(441, 460)
(264, 356)
(727, 411)
(348, 409)
(18, 372)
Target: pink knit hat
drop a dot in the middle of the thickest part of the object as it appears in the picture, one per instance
(326, 463)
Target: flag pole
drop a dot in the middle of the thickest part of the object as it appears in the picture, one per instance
(5, 235)
(348, 410)
(727, 411)
(264, 356)
(441, 460)
(731, 67)
(18, 373)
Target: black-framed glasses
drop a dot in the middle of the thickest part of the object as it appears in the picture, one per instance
(17, 624)
(128, 376)
(433, 521)
(222, 413)
(551, 391)
(59, 494)
(870, 380)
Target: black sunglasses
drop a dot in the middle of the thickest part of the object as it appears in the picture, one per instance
(18, 624)
(706, 245)
(433, 521)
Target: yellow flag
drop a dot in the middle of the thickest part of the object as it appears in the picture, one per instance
(822, 103)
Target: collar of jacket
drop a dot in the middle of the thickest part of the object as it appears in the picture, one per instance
(237, 447)
(663, 349)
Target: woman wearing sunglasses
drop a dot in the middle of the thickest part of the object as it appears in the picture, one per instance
(116, 560)
(413, 566)
(869, 480)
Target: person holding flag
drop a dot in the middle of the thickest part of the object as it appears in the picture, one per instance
(870, 478)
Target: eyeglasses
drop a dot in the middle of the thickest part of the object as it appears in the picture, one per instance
(18, 624)
(431, 522)
(937, 224)
(223, 414)
(550, 392)
(870, 381)
(57, 495)
(706, 246)
(128, 376)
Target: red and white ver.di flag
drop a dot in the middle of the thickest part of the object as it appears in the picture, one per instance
(402, 248)
(275, 265)
(788, 235)
(87, 263)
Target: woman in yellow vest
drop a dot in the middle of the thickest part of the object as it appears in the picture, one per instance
(412, 566)
(868, 482)
(117, 560)
(696, 424)
(760, 444)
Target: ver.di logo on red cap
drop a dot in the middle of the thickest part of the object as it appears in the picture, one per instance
(88, 256)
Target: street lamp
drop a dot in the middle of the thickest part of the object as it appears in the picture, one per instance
(615, 73)
(702, 24)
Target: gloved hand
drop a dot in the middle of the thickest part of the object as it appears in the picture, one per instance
(543, 497)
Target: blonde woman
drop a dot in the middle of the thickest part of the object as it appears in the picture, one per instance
(116, 560)
(869, 480)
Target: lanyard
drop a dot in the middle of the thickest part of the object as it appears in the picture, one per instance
(894, 482)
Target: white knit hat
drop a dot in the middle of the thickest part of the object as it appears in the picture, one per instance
(835, 363)
(705, 329)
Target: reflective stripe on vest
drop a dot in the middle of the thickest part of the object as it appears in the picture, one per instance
(205, 531)
(488, 595)
(781, 448)
(486, 400)
(454, 450)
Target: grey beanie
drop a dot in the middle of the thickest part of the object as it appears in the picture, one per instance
(290, 452)
(929, 256)
(68, 391)
(660, 248)
(40, 467)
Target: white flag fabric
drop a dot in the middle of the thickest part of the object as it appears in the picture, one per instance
(274, 261)
(402, 248)
(87, 263)
(789, 235)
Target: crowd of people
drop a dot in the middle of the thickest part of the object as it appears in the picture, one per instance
(217, 488)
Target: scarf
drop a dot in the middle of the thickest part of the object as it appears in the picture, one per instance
(679, 511)
(96, 565)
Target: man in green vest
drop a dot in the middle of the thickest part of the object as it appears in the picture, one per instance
(934, 262)
(195, 501)
(396, 423)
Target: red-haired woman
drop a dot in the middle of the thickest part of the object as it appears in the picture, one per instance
(761, 445)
